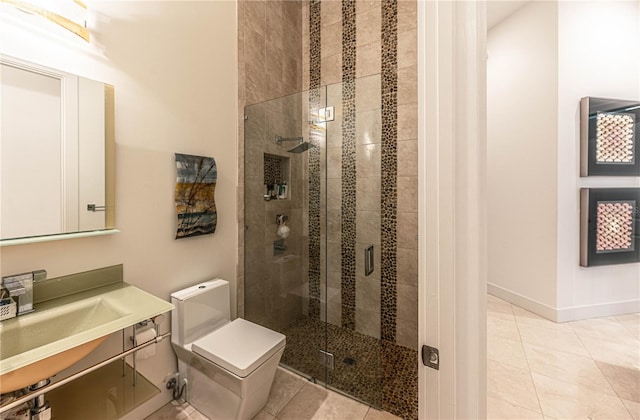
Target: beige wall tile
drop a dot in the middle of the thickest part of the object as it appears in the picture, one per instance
(368, 161)
(368, 194)
(368, 227)
(368, 91)
(368, 26)
(407, 49)
(368, 59)
(330, 12)
(407, 158)
(334, 162)
(407, 194)
(408, 85)
(275, 28)
(331, 39)
(292, 14)
(408, 302)
(407, 15)
(331, 71)
(408, 121)
(364, 5)
(407, 266)
(334, 226)
(368, 127)
(368, 294)
(304, 13)
(368, 322)
(255, 15)
(407, 333)
(407, 230)
(255, 83)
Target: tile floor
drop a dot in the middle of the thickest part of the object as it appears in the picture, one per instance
(292, 398)
(536, 369)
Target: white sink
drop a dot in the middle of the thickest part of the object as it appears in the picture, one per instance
(60, 332)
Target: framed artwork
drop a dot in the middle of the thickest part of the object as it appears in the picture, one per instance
(609, 137)
(610, 226)
(195, 195)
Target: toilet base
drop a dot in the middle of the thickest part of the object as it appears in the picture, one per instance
(221, 395)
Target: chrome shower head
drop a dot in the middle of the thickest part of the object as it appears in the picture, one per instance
(302, 147)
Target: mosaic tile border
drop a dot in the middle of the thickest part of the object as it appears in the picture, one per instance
(314, 160)
(348, 242)
(389, 164)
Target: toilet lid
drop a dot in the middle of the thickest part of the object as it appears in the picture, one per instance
(240, 346)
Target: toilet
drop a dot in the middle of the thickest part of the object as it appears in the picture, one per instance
(229, 366)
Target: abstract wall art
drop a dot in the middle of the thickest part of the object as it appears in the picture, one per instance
(610, 226)
(609, 137)
(195, 195)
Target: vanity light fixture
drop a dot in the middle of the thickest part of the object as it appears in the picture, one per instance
(68, 14)
(609, 136)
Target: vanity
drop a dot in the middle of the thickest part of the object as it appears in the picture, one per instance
(73, 316)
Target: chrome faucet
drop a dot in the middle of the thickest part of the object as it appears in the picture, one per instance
(20, 289)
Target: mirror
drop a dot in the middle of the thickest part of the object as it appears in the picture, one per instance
(56, 152)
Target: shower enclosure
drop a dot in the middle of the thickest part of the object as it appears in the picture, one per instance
(313, 176)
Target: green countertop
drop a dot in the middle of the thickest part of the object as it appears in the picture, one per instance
(65, 322)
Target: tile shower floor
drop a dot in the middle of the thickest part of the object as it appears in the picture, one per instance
(536, 369)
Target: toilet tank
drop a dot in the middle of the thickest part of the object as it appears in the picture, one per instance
(199, 310)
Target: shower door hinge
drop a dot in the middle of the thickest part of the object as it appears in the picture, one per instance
(431, 357)
(326, 359)
(326, 114)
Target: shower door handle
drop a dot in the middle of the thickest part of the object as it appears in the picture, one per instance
(368, 260)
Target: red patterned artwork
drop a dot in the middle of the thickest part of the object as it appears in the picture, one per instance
(614, 141)
(614, 226)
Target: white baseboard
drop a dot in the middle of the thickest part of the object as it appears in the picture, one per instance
(534, 306)
(573, 313)
(576, 313)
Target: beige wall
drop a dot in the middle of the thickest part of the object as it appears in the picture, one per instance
(172, 65)
(522, 89)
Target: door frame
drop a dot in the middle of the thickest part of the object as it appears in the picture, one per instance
(452, 229)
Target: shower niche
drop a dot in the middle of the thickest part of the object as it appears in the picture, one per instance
(276, 177)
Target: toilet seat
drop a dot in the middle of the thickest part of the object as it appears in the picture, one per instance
(240, 346)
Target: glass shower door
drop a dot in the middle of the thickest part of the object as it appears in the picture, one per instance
(284, 212)
(320, 283)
